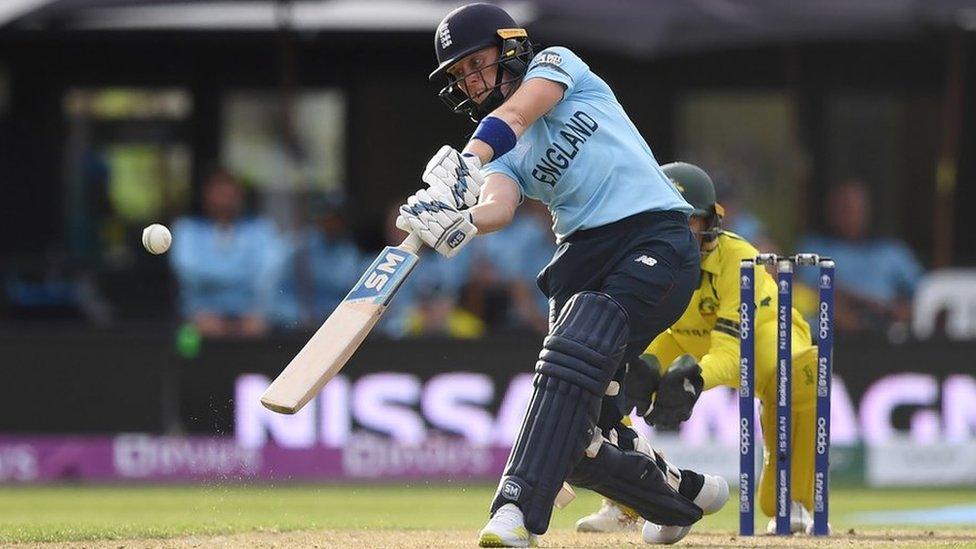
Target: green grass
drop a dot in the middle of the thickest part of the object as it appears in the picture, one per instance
(65, 513)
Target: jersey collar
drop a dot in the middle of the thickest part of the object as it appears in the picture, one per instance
(712, 261)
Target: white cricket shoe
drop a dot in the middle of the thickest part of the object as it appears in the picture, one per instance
(711, 498)
(830, 529)
(800, 520)
(663, 535)
(610, 518)
(713, 494)
(506, 529)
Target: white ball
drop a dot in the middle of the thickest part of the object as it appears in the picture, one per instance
(156, 238)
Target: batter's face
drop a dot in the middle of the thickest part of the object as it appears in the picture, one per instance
(475, 74)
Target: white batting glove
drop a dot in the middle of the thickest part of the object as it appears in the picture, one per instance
(453, 178)
(440, 225)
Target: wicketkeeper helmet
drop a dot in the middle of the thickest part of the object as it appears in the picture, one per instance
(697, 188)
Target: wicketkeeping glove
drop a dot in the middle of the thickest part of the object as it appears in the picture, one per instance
(643, 378)
(677, 394)
(454, 178)
(440, 225)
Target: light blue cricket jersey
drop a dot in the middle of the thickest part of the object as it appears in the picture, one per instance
(584, 158)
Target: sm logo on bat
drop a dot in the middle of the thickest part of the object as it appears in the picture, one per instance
(380, 275)
(384, 276)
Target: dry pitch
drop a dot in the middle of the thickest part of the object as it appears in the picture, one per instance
(562, 538)
(420, 516)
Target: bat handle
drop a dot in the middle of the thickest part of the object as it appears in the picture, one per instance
(412, 243)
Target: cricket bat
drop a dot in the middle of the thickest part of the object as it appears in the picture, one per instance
(338, 338)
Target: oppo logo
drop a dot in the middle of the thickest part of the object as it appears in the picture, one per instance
(821, 435)
(745, 436)
(744, 327)
(824, 320)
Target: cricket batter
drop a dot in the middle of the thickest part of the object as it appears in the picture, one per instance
(625, 267)
(702, 348)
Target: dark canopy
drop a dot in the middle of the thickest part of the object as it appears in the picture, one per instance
(635, 27)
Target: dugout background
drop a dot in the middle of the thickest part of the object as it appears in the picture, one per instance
(394, 118)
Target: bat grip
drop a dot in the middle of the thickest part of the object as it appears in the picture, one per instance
(412, 243)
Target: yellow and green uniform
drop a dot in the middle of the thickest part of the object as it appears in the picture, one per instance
(709, 331)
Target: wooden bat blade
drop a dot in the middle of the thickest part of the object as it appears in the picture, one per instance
(338, 338)
(322, 357)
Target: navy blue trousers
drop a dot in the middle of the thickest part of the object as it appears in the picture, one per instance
(649, 263)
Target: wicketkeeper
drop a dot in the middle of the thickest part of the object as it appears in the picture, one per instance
(626, 264)
(701, 351)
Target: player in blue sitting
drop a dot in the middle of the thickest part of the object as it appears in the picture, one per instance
(624, 270)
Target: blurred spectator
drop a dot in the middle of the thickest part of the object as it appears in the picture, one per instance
(502, 288)
(876, 277)
(738, 218)
(320, 266)
(222, 262)
(436, 311)
(426, 304)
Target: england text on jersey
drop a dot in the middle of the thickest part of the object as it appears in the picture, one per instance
(558, 155)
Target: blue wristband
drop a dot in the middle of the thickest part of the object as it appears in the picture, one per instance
(497, 134)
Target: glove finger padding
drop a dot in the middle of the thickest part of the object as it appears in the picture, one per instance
(438, 158)
(417, 214)
(643, 378)
(439, 225)
(403, 224)
(435, 211)
(420, 229)
(454, 178)
(677, 393)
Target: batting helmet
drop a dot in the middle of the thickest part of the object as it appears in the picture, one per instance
(697, 188)
(467, 30)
